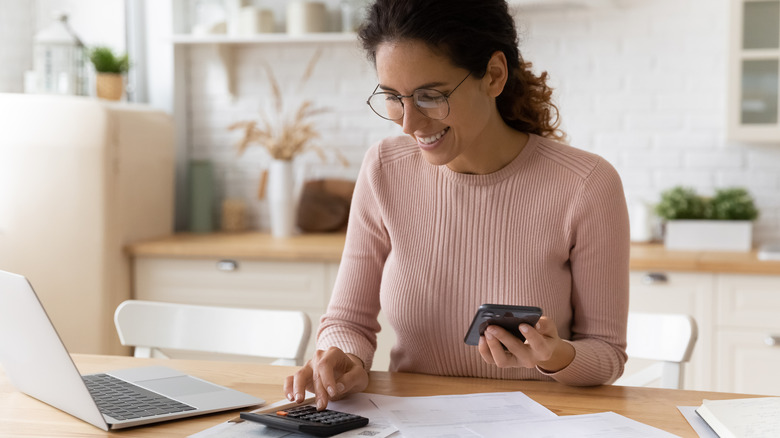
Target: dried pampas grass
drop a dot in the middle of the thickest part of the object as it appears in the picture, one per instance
(285, 137)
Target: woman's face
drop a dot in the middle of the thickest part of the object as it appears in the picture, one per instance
(405, 66)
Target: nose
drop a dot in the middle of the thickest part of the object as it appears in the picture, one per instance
(412, 119)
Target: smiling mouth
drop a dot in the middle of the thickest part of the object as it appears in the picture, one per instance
(433, 138)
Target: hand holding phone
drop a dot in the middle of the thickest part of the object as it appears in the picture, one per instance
(507, 316)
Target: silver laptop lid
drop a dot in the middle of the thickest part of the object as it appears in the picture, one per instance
(33, 355)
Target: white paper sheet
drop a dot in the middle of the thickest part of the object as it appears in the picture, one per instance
(699, 426)
(446, 415)
(604, 424)
(378, 426)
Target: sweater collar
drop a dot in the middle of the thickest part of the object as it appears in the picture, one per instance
(505, 172)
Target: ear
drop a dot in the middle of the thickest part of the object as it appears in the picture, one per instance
(496, 74)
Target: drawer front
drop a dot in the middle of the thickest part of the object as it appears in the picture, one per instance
(250, 283)
(749, 301)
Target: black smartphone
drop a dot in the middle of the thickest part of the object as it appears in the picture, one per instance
(506, 316)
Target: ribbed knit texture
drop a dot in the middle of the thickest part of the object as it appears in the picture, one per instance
(429, 246)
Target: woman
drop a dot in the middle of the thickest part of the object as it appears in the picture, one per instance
(478, 203)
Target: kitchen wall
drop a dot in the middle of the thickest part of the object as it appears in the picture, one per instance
(96, 22)
(642, 83)
(16, 24)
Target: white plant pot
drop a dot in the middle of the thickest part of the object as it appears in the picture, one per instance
(281, 198)
(709, 235)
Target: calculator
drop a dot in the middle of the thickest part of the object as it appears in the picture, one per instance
(307, 419)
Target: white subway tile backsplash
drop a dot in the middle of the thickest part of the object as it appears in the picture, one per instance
(719, 160)
(655, 122)
(643, 83)
(683, 140)
(700, 179)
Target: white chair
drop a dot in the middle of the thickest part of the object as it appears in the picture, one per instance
(158, 329)
(667, 339)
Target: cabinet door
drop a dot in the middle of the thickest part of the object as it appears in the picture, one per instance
(748, 361)
(748, 347)
(754, 71)
(671, 292)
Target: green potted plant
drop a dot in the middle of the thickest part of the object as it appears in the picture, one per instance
(722, 222)
(109, 67)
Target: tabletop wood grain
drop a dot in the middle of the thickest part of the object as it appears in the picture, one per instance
(23, 416)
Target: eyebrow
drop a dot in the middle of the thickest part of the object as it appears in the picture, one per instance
(426, 85)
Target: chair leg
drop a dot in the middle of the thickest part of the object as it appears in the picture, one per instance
(145, 352)
(672, 375)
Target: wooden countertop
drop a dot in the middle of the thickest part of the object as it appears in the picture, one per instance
(328, 248)
(654, 257)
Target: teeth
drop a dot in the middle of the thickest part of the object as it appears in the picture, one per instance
(433, 138)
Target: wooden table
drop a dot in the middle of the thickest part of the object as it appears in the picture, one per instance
(21, 415)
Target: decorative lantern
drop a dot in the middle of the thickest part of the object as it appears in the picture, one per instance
(60, 59)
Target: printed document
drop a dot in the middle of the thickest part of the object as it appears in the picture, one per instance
(446, 415)
(604, 424)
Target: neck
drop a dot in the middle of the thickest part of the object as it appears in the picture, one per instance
(492, 152)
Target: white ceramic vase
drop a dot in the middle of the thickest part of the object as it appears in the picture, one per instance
(281, 198)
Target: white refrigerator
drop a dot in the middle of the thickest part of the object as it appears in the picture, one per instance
(79, 180)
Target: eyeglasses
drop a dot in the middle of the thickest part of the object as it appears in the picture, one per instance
(431, 103)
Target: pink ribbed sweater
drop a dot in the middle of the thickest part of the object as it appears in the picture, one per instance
(429, 245)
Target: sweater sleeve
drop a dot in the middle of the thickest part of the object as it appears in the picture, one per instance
(350, 322)
(599, 258)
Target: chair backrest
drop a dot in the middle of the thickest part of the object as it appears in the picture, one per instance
(668, 339)
(156, 328)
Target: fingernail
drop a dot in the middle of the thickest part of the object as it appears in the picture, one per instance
(538, 326)
(524, 328)
(489, 334)
(331, 391)
(290, 397)
(299, 397)
(320, 405)
(340, 387)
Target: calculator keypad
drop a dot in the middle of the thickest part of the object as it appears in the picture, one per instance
(308, 419)
(310, 413)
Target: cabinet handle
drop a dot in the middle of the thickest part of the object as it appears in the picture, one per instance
(655, 278)
(227, 265)
(772, 340)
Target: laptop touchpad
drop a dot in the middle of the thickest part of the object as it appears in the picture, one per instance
(179, 386)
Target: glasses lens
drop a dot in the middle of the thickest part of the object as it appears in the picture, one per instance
(386, 105)
(432, 103)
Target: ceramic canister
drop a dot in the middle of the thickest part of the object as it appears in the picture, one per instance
(306, 17)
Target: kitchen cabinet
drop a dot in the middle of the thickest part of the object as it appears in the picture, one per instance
(747, 334)
(248, 269)
(678, 292)
(734, 297)
(754, 76)
(239, 282)
(738, 346)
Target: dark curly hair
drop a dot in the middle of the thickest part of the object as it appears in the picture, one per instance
(468, 32)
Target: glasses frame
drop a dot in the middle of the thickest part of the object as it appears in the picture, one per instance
(401, 97)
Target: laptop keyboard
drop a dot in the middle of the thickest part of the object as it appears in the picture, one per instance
(125, 401)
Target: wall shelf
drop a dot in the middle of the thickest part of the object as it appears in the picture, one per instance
(225, 45)
(266, 38)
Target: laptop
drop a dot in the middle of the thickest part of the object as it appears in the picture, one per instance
(37, 363)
